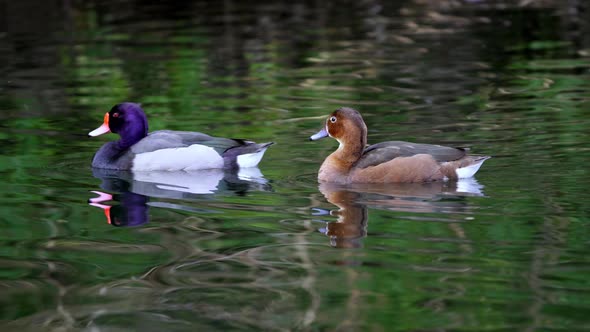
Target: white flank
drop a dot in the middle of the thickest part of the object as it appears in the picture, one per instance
(194, 157)
(250, 159)
(469, 171)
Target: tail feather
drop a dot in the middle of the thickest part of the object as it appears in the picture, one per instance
(265, 145)
(471, 167)
(463, 168)
(248, 155)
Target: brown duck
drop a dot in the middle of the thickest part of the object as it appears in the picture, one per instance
(395, 161)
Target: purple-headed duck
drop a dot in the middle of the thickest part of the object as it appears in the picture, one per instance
(395, 161)
(167, 150)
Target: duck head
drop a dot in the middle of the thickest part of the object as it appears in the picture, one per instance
(346, 125)
(126, 119)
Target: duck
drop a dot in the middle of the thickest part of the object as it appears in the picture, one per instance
(167, 150)
(355, 161)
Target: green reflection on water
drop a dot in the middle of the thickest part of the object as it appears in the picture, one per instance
(256, 257)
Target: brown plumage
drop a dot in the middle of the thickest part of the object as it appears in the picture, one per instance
(394, 161)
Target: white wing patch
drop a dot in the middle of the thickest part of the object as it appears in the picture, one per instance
(194, 157)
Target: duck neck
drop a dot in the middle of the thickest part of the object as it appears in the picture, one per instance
(351, 150)
(131, 136)
(124, 144)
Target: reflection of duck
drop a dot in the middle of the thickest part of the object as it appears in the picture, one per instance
(353, 200)
(352, 217)
(134, 190)
(132, 210)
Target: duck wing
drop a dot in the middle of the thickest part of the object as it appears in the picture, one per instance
(169, 139)
(385, 151)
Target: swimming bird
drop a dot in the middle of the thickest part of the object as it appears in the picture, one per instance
(167, 150)
(395, 161)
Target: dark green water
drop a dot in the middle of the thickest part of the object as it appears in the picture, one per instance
(262, 252)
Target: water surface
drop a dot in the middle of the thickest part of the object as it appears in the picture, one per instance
(271, 249)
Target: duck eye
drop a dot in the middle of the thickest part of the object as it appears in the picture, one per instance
(115, 115)
(332, 119)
